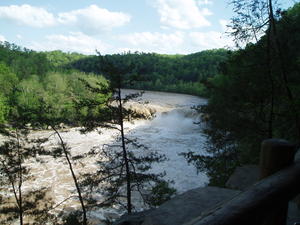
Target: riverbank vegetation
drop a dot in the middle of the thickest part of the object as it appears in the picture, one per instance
(254, 97)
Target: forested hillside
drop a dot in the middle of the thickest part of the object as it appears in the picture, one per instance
(29, 79)
(150, 71)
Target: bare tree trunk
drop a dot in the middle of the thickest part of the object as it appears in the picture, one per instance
(20, 179)
(128, 174)
(73, 175)
(12, 183)
(271, 115)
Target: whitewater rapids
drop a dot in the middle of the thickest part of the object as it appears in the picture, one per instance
(171, 131)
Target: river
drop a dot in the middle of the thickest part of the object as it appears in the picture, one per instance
(170, 132)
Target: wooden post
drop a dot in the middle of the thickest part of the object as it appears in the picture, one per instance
(275, 155)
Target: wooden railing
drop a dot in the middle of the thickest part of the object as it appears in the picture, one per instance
(266, 202)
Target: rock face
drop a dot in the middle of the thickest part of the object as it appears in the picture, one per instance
(145, 111)
(243, 177)
(134, 218)
(194, 204)
(181, 208)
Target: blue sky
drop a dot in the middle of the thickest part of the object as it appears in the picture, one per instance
(114, 26)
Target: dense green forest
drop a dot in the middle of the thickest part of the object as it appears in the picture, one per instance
(171, 73)
(54, 77)
(149, 71)
(255, 97)
(29, 79)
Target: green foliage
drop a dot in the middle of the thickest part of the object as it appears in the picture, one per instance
(161, 193)
(23, 62)
(3, 109)
(27, 96)
(8, 79)
(249, 101)
(59, 91)
(150, 71)
(59, 60)
(27, 81)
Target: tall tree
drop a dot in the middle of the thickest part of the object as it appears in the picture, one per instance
(275, 41)
(254, 19)
(249, 100)
(118, 170)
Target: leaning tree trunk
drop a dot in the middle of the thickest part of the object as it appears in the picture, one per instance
(84, 222)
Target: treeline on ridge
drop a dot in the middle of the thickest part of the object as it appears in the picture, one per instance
(150, 71)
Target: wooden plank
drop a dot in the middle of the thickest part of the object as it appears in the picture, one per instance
(275, 155)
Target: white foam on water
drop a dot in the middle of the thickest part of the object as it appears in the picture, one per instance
(171, 132)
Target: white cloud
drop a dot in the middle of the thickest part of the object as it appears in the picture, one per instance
(211, 39)
(94, 19)
(2, 38)
(27, 15)
(89, 20)
(74, 42)
(206, 12)
(205, 2)
(182, 14)
(154, 42)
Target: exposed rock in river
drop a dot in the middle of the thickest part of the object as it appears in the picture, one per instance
(142, 110)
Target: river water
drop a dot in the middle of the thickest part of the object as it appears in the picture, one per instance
(170, 132)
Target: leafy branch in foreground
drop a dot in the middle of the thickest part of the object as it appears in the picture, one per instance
(16, 150)
(250, 101)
